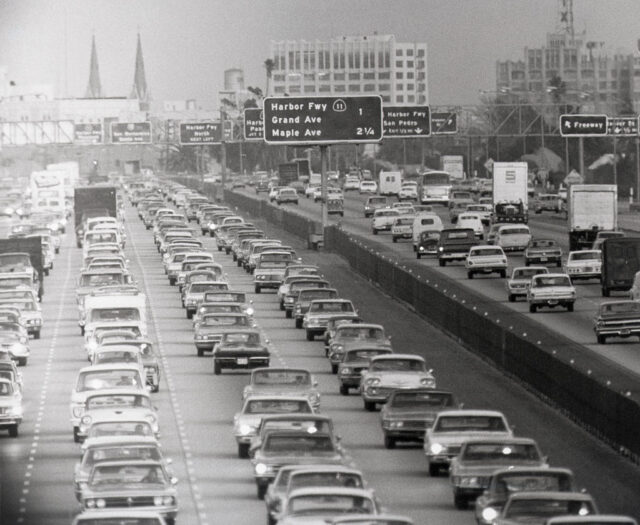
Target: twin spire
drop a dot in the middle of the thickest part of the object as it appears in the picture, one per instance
(139, 89)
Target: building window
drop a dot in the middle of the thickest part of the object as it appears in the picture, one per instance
(324, 88)
(309, 89)
(603, 84)
(398, 63)
(339, 88)
(400, 98)
(294, 89)
(354, 76)
(354, 88)
(338, 76)
(398, 52)
(411, 87)
(614, 85)
(278, 89)
(409, 52)
(410, 75)
(400, 87)
(386, 98)
(324, 76)
(369, 75)
(384, 76)
(309, 76)
(421, 76)
(420, 54)
(422, 87)
(278, 78)
(369, 87)
(411, 98)
(399, 75)
(409, 63)
(384, 87)
(422, 99)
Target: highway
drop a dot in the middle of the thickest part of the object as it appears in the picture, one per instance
(578, 326)
(196, 408)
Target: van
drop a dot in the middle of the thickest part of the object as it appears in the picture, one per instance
(390, 183)
(423, 222)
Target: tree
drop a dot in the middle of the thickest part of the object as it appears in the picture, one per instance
(269, 65)
(558, 88)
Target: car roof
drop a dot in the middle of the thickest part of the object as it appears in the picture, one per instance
(105, 441)
(471, 412)
(320, 491)
(360, 325)
(98, 368)
(398, 356)
(567, 496)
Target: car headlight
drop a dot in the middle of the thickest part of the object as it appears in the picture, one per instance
(440, 248)
(16, 349)
(421, 248)
(167, 500)
(77, 411)
(346, 370)
(468, 481)
(337, 348)
(245, 429)
(91, 503)
(437, 448)
(373, 381)
(157, 501)
(429, 382)
(261, 469)
(489, 514)
(250, 311)
(86, 420)
(396, 424)
(314, 397)
(100, 503)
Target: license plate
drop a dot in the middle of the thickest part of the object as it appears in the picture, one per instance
(243, 360)
(553, 302)
(626, 331)
(486, 270)
(543, 259)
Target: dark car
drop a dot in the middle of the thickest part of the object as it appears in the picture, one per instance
(617, 319)
(543, 251)
(454, 244)
(240, 349)
(427, 243)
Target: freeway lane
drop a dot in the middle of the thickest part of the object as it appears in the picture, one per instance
(578, 326)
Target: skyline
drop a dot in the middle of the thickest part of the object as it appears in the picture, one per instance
(188, 44)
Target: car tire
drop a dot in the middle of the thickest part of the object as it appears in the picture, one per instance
(22, 361)
(602, 339)
(310, 336)
(189, 314)
(288, 314)
(200, 352)
(442, 262)
(344, 390)
(298, 322)
(526, 262)
(503, 273)
(13, 431)
(389, 442)
(155, 388)
(394, 239)
(36, 335)
(257, 289)
(281, 305)
(559, 264)
(172, 281)
(434, 470)
(334, 368)
(418, 255)
(369, 406)
(46, 271)
(512, 298)
(533, 308)
(76, 437)
(570, 307)
(261, 491)
(605, 292)
(243, 450)
(235, 257)
(217, 369)
(460, 502)
(375, 232)
(470, 275)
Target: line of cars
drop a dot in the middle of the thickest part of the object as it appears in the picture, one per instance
(508, 477)
(123, 475)
(301, 469)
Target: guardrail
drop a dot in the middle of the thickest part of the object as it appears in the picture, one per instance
(594, 392)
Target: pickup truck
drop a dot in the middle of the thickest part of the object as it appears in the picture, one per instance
(454, 244)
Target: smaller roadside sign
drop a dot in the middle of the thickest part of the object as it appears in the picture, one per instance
(253, 124)
(87, 134)
(406, 121)
(443, 123)
(622, 126)
(131, 133)
(200, 133)
(583, 125)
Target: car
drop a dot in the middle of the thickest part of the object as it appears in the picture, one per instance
(547, 202)
(408, 191)
(211, 327)
(320, 311)
(543, 252)
(383, 219)
(150, 360)
(292, 447)
(254, 408)
(617, 319)
(325, 504)
(455, 209)
(454, 244)
(552, 289)
(195, 291)
(603, 235)
(355, 362)
(285, 195)
(483, 211)
(283, 381)
(471, 220)
(493, 231)
(355, 335)
(293, 477)
(273, 192)
(513, 237)
(427, 243)
(9, 370)
(372, 519)
(310, 189)
(10, 406)
(15, 341)
(351, 182)
(486, 259)
(518, 283)
(290, 287)
(240, 349)
(304, 297)
(368, 186)
(402, 228)
(451, 428)
(410, 411)
(509, 480)
(584, 264)
(537, 508)
(374, 203)
(471, 470)
(333, 324)
(598, 519)
(388, 372)
(270, 268)
(144, 484)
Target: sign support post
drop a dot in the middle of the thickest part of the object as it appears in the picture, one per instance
(223, 161)
(615, 161)
(323, 185)
(581, 154)
(638, 167)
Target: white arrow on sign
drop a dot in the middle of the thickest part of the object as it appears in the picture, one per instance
(567, 124)
(418, 130)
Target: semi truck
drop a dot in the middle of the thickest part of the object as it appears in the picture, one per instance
(510, 197)
(620, 263)
(12, 254)
(93, 201)
(454, 166)
(591, 208)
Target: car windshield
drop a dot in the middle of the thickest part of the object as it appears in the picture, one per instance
(115, 314)
(378, 200)
(120, 428)
(514, 231)
(6, 389)
(470, 424)
(527, 509)
(101, 379)
(23, 306)
(220, 309)
(319, 293)
(458, 235)
(547, 282)
(623, 307)
(205, 287)
(303, 444)
(332, 307)
(275, 257)
(225, 320)
(397, 365)
(325, 479)
(104, 331)
(116, 356)
(281, 377)
(294, 287)
(422, 400)
(118, 400)
(250, 338)
(543, 243)
(231, 297)
(585, 256)
(330, 504)
(404, 221)
(355, 332)
(527, 273)
(128, 475)
(484, 252)
(534, 482)
(101, 279)
(500, 452)
(277, 406)
(362, 355)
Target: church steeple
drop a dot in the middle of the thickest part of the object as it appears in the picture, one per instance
(139, 89)
(94, 88)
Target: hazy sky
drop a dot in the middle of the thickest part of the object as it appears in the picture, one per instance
(189, 43)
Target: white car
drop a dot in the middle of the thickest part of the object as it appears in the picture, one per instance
(406, 208)
(518, 284)
(310, 190)
(383, 219)
(402, 228)
(584, 264)
(514, 237)
(368, 186)
(551, 289)
(486, 259)
(483, 210)
(473, 221)
(351, 182)
(408, 191)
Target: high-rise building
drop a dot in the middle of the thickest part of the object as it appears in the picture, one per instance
(352, 65)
